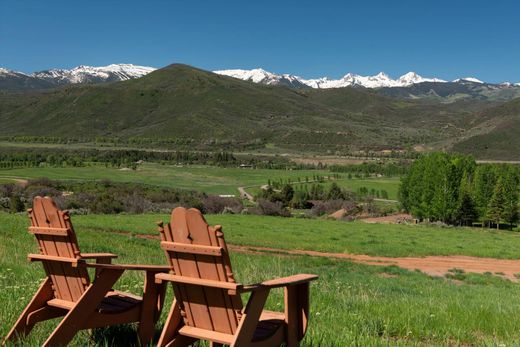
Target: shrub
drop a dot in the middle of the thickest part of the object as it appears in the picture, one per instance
(217, 204)
(268, 208)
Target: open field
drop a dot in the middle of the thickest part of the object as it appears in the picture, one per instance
(351, 304)
(333, 236)
(214, 180)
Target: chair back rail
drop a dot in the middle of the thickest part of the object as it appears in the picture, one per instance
(196, 250)
(55, 236)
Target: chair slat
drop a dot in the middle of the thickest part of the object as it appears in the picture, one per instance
(191, 248)
(49, 231)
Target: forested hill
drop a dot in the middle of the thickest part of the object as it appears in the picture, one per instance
(183, 102)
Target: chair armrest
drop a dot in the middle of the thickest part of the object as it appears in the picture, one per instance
(98, 256)
(289, 281)
(138, 267)
(278, 282)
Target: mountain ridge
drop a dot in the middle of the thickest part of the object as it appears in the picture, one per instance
(208, 110)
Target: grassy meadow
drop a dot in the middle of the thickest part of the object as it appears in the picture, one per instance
(351, 304)
(209, 179)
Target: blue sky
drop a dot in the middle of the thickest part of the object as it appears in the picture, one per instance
(446, 39)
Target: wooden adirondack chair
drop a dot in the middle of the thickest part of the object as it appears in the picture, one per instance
(207, 302)
(67, 290)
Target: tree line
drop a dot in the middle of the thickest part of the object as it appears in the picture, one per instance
(453, 189)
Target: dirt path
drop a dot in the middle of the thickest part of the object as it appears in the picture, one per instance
(431, 265)
(245, 195)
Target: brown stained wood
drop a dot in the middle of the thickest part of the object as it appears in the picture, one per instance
(192, 249)
(198, 282)
(209, 270)
(196, 298)
(49, 231)
(150, 268)
(67, 290)
(171, 326)
(200, 278)
(204, 334)
(21, 328)
(150, 305)
(179, 290)
(250, 318)
(85, 306)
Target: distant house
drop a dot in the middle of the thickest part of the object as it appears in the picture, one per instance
(246, 166)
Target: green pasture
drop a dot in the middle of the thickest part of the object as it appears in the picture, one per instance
(210, 179)
(351, 304)
(332, 236)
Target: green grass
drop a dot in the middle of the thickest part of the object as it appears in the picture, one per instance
(210, 179)
(351, 304)
(333, 236)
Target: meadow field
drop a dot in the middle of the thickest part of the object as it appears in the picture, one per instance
(209, 179)
(351, 304)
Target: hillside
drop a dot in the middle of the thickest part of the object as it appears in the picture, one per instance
(206, 109)
(497, 136)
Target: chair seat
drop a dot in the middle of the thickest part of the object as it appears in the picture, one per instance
(269, 324)
(116, 302)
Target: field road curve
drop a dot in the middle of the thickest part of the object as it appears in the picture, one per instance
(431, 265)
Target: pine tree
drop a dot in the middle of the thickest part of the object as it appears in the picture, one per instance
(466, 209)
(496, 206)
(335, 192)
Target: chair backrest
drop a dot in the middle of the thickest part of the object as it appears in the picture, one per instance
(55, 235)
(197, 250)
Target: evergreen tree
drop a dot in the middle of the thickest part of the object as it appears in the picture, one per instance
(467, 209)
(287, 193)
(496, 206)
(335, 192)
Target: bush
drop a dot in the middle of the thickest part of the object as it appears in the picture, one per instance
(268, 208)
(217, 204)
(330, 206)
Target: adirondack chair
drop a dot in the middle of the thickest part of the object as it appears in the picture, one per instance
(207, 303)
(67, 290)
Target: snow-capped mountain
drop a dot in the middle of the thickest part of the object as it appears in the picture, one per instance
(264, 77)
(381, 80)
(471, 79)
(91, 74)
(14, 80)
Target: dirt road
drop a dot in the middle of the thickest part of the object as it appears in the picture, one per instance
(432, 265)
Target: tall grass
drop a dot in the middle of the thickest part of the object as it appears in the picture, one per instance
(351, 304)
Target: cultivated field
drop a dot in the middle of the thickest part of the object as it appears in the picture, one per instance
(210, 179)
(352, 304)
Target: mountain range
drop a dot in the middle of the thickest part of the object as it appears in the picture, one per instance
(410, 85)
(14, 80)
(208, 110)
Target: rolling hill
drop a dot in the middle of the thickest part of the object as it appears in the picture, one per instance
(214, 111)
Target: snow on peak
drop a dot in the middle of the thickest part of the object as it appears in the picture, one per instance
(413, 78)
(350, 79)
(83, 73)
(264, 77)
(469, 79)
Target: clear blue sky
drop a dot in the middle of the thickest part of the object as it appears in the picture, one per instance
(446, 39)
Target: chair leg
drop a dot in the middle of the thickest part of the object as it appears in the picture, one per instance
(22, 327)
(250, 317)
(87, 303)
(153, 298)
(171, 326)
